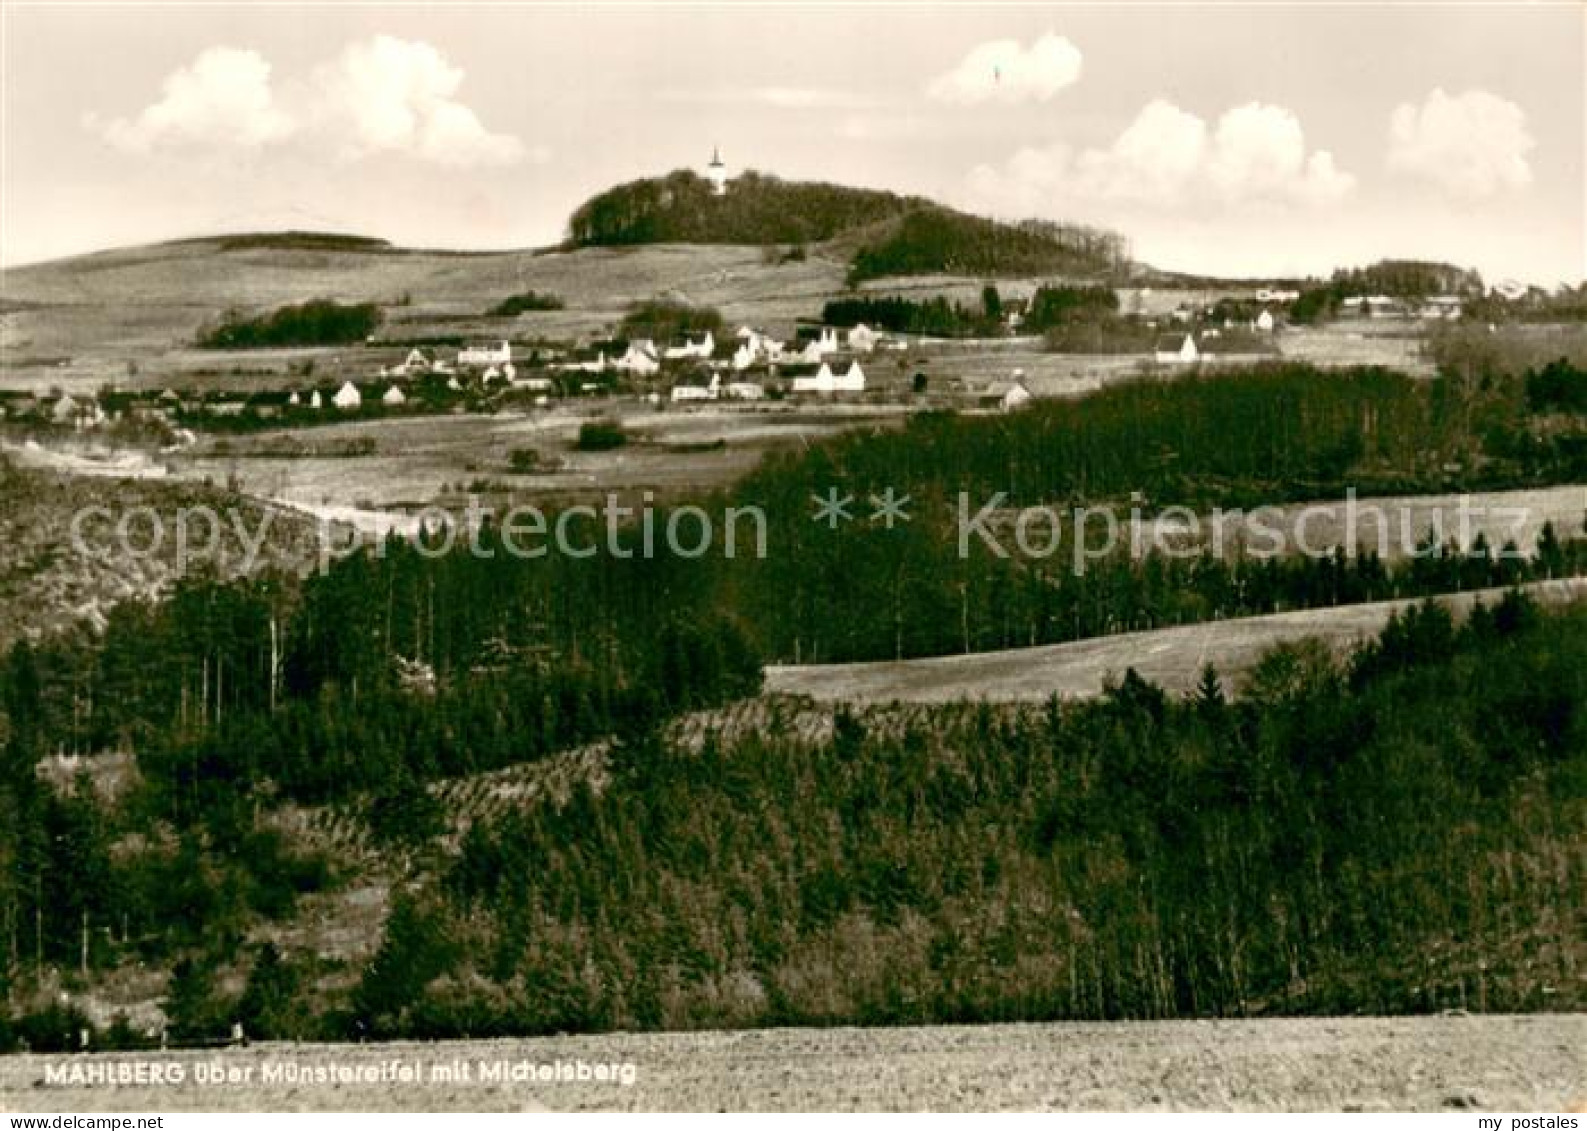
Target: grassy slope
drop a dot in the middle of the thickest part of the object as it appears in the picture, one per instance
(1169, 657)
(97, 312)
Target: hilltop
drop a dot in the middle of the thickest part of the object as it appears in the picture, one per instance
(883, 232)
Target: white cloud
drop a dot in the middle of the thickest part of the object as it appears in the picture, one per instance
(222, 98)
(380, 95)
(1259, 153)
(1168, 157)
(1471, 146)
(1004, 70)
(395, 95)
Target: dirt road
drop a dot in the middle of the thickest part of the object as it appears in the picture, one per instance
(1530, 1063)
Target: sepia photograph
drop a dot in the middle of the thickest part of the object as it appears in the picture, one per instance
(792, 557)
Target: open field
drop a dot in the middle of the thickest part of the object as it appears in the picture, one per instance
(1498, 516)
(1170, 657)
(1392, 526)
(1500, 1063)
(1397, 345)
(672, 452)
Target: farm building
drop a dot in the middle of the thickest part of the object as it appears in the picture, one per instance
(826, 380)
(1264, 322)
(746, 391)
(1442, 306)
(697, 387)
(497, 354)
(393, 397)
(347, 397)
(1372, 306)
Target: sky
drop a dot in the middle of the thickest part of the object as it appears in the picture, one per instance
(1231, 139)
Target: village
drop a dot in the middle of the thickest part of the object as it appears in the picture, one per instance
(815, 365)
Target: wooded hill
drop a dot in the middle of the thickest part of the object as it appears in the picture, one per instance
(891, 234)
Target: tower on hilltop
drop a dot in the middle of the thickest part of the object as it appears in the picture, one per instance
(716, 172)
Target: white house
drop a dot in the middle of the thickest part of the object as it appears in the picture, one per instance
(639, 359)
(826, 381)
(1015, 397)
(498, 354)
(863, 339)
(824, 343)
(347, 397)
(745, 391)
(79, 414)
(819, 347)
(1442, 306)
(697, 388)
(315, 400)
(393, 398)
(1372, 306)
(702, 349)
(1264, 322)
(1177, 349)
(753, 347)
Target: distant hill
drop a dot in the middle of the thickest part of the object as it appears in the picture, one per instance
(884, 233)
(756, 209)
(300, 241)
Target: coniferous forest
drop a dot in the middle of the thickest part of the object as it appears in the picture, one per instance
(1400, 831)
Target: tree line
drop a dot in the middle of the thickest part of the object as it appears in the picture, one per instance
(934, 240)
(320, 322)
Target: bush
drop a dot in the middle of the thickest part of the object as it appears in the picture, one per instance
(523, 461)
(601, 435)
(529, 300)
